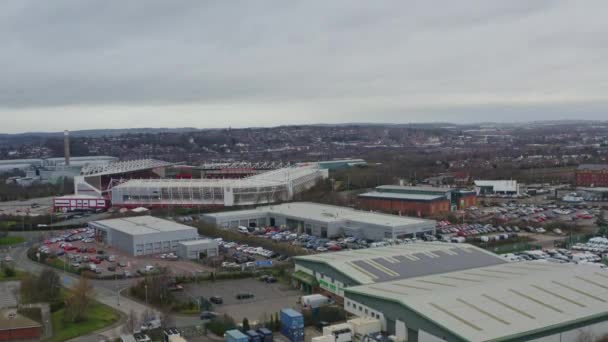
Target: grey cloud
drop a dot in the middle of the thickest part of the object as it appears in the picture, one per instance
(387, 60)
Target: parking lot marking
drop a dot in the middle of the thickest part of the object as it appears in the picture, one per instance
(435, 283)
(463, 279)
(592, 282)
(482, 311)
(536, 301)
(411, 257)
(578, 291)
(431, 255)
(558, 296)
(508, 306)
(456, 317)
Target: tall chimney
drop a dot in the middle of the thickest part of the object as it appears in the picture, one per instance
(66, 147)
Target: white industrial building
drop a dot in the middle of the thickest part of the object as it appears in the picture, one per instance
(197, 249)
(267, 187)
(142, 235)
(325, 221)
(524, 301)
(497, 187)
(332, 273)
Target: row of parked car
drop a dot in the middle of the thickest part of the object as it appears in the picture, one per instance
(560, 255)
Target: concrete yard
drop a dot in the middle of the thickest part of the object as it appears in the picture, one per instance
(8, 291)
(269, 298)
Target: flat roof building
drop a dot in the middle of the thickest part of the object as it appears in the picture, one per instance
(334, 272)
(416, 200)
(143, 235)
(592, 175)
(325, 221)
(493, 187)
(522, 301)
(197, 249)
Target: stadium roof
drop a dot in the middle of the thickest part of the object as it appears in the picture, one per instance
(141, 225)
(401, 196)
(507, 301)
(271, 178)
(594, 167)
(123, 167)
(382, 264)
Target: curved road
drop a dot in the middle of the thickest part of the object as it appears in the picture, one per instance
(106, 292)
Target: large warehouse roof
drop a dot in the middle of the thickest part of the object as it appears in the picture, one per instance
(375, 265)
(400, 196)
(507, 301)
(498, 185)
(404, 188)
(141, 225)
(332, 213)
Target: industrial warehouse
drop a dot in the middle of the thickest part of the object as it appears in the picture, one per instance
(333, 273)
(325, 221)
(142, 235)
(527, 301)
(416, 200)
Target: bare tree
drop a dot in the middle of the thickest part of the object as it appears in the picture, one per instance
(132, 322)
(79, 301)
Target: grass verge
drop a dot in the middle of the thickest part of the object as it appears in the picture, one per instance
(98, 317)
(11, 240)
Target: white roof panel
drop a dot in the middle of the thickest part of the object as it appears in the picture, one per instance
(141, 225)
(502, 301)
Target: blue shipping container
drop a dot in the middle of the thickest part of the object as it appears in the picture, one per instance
(236, 336)
(254, 336)
(290, 318)
(266, 334)
(294, 335)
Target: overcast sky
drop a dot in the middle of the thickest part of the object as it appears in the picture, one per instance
(118, 64)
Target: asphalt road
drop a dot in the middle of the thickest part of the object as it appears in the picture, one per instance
(106, 292)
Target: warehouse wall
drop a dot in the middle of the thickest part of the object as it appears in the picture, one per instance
(409, 208)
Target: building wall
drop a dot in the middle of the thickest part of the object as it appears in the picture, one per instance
(33, 333)
(592, 178)
(467, 201)
(162, 242)
(210, 248)
(410, 208)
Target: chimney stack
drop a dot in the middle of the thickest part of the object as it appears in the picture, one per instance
(66, 147)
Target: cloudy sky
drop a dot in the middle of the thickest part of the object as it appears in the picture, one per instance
(116, 64)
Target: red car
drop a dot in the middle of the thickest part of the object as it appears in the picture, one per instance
(91, 250)
(96, 261)
(69, 248)
(334, 248)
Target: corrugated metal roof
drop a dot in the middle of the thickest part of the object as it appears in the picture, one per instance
(401, 196)
(374, 265)
(141, 225)
(501, 301)
(593, 167)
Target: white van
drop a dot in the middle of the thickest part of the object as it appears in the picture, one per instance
(243, 229)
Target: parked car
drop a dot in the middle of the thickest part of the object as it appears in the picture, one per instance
(208, 315)
(245, 295)
(216, 300)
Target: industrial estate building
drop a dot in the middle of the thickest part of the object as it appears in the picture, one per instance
(335, 272)
(592, 175)
(416, 200)
(497, 187)
(197, 249)
(325, 221)
(525, 301)
(142, 235)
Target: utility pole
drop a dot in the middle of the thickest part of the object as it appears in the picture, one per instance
(146, 288)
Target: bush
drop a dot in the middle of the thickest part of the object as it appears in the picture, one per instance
(219, 325)
(9, 272)
(56, 306)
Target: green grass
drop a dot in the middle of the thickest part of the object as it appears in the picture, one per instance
(18, 276)
(98, 317)
(11, 240)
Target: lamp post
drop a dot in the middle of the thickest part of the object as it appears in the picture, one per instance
(146, 288)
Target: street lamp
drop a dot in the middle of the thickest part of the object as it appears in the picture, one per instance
(146, 288)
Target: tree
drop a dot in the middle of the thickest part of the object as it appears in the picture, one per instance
(48, 285)
(277, 322)
(132, 323)
(246, 326)
(79, 300)
(166, 318)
